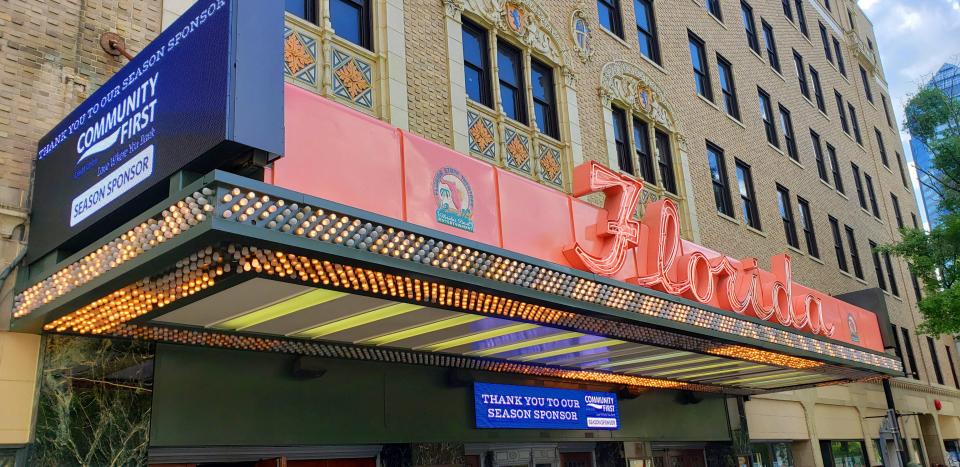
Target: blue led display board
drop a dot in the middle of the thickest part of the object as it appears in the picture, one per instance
(506, 406)
(208, 89)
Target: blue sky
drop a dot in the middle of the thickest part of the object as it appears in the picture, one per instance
(915, 38)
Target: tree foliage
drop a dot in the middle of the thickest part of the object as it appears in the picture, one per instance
(934, 119)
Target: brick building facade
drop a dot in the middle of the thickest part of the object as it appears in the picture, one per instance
(658, 89)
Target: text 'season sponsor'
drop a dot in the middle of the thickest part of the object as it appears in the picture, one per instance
(127, 176)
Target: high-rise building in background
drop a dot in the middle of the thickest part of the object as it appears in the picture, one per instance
(947, 79)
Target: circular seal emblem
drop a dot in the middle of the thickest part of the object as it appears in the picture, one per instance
(454, 199)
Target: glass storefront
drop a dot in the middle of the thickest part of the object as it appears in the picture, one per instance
(772, 454)
(843, 453)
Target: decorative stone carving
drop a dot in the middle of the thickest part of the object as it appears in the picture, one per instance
(453, 8)
(582, 35)
(627, 84)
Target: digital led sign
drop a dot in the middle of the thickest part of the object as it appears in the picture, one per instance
(208, 88)
(507, 406)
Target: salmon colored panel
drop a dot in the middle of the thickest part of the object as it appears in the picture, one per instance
(536, 219)
(585, 217)
(450, 192)
(339, 154)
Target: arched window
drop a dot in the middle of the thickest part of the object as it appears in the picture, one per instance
(511, 89)
(643, 138)
(331, 47)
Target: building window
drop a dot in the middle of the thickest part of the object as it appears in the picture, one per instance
(843, 453)
(806, 223)
(886, 110)
(896, 210)
(766, 115)
(748, 200)
(771, 44)
(544, 99)
(866, 84)
(858, 182)
(855, 123)
(877, 267)
(802, 18)
(953, 368)
(913, 218)
(838, 244)
(786, 214)
(872, 195)
(476, 64)
(890, 275)
(786, 125)
(510, 71)
(306, 9)
(835, 168)
(777, 453)
(899, 347)
(641, 143)
(911, 357)
(728, 87)
(854, 252)
(882, 147)
(825, 39)
(351, 20)
(801, 74)
(827, 3)
(818, 155)
(713, 6)
(609, 12)
(718, 174)
(903, 173)
(837, 51)
(701, 70)
(844, 124)
(817, 89)
(620, 137)
(916, 285)
(787, 9)
(936, 360)
(647, 29)
(750, 26)
(665, 159)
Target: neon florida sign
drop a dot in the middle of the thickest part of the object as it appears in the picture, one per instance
(664, 261)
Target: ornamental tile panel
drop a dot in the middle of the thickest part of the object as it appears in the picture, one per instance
(550, 166)
(299, 57)
(517, 150)
(481, 134)
(352, 78)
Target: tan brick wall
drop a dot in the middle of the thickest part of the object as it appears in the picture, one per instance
(428, 93)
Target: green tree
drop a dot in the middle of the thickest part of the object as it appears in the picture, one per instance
(934, 118)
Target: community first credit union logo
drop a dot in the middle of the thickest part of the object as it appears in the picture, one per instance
(454, 199)
(120, 132)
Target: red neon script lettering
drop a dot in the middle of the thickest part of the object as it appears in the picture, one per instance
(619, 232)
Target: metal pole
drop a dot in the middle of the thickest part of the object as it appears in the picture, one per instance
(893, 422)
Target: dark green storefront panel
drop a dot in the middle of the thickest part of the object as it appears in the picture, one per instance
(211, 397)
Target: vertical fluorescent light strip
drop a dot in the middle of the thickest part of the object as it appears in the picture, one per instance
(276, 310)
(423, 329)
(358, 320)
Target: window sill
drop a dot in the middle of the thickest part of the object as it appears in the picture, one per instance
(887, 167)
(735, 120)
(756, 231)
(822, 112)
(796, 162)
(654, 64)
(779, 151)
(816, 260)
(756, 54)
(718, 20)
(728, 218)
(615, 37)
(845, 273)
(824, 182)
(843, 195)
(778, 73)
(710, 103)
(796, 250)
(861, 280)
